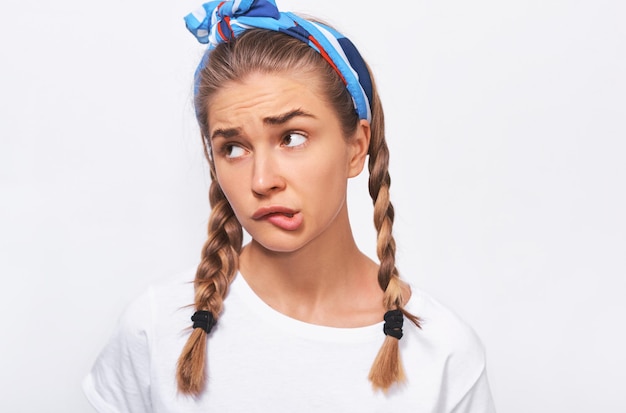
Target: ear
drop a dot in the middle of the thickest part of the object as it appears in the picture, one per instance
(359, 145)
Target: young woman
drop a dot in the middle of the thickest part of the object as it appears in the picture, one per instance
(298, 319)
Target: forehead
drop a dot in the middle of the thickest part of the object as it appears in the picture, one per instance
(261, 95)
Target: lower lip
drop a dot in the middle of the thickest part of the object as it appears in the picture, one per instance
(288, 223)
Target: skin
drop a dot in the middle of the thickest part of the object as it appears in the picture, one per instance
(278, 146)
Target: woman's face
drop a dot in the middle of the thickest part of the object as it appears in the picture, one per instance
(281, 158)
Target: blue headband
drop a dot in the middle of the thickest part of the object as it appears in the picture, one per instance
(220, 21)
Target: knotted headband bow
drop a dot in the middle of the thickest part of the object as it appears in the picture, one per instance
(221, 21)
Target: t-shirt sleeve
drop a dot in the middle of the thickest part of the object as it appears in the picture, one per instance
(119, 381)
(467, 371)
(477, 399)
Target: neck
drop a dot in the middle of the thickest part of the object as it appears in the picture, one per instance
(326, 277)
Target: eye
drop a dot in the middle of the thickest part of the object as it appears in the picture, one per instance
(293, 139)
(233, 151)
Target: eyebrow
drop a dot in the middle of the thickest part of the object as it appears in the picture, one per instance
(286, 117)
(226, 133)
(270, 120)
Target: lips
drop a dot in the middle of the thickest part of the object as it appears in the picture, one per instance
(281, 217)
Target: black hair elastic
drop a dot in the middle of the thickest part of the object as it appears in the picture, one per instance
(203, 320)
(393, 323)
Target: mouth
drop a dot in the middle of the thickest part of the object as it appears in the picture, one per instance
(280, 217)
(266, 212)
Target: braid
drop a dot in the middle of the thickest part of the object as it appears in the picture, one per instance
(387, 367)
(220, 256)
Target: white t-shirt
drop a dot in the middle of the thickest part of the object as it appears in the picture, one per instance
(261, 360)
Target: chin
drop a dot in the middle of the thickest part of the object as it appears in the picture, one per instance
(280, 243)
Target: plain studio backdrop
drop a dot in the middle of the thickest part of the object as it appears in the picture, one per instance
(506, 124)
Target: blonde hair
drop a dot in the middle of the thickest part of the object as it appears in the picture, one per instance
(264, 51)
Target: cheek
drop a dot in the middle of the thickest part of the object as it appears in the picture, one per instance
(326, 176)
(232, 188)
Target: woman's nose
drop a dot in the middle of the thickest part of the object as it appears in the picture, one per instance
(266, 175)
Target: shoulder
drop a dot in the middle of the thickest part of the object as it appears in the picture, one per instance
(165, 301)
(444, 328)
(161, 300)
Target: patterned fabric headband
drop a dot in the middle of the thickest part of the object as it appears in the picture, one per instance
(220, 21)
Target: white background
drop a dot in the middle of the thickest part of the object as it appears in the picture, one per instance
(506, 122)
